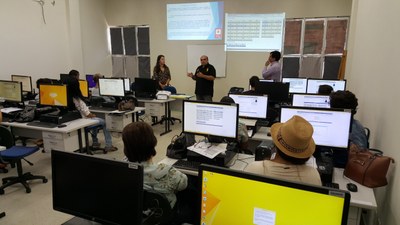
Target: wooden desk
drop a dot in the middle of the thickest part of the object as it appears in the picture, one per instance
(167, 112)
(116, 121)
(364, 198)
(67, 138)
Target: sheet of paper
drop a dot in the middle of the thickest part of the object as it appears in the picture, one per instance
(207, 149)
(10, 110)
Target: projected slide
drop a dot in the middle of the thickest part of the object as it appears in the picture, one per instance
(195, 21)
(254, 32)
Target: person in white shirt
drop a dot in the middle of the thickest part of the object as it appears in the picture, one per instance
(75, 101)
(294, 146)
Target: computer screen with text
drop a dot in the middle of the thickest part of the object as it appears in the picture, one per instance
(10, 91)
(311, 100)
(251, 106)
(331, 126)
(235, 197)
(296, 85)
(112, 87)
(313, 85)
(25, 80)
(210, 118)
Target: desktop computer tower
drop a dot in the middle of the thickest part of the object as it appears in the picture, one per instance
(58, 118)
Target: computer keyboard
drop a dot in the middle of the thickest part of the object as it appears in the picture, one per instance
(109, 109)
(42, 124)
(262, 123)
(187, 165)
(332, 185)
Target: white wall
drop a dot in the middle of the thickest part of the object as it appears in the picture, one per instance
(373, 75)
(74, 37)
(240, 66)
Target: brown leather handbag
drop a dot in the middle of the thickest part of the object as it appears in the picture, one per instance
(367, 166)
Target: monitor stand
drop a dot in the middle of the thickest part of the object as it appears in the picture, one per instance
(80, 221)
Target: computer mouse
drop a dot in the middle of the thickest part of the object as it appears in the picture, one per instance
(269, 134)
(61, 125)
(351, 187)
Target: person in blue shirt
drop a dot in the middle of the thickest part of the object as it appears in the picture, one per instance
(347, 100)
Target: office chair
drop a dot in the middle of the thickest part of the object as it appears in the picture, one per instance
(235, 90)
(367, 133)
(15, 154)
(156, 209)
(93, 148)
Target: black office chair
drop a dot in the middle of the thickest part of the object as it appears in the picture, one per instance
(15, 154)
(92, 149)
(235, 90)
(367, 133)
(156, 209)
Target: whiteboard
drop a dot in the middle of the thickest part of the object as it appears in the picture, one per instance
(216, 57)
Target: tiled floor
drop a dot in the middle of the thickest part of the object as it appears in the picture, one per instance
(35, 208)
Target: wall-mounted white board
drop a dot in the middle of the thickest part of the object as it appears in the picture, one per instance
(216, 57)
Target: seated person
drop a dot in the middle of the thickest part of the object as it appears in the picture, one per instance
(253, 81)
(294, 145)
(95, 89)
(325, 89)
(243, 136)
(347, 100)
(139, 146)
(75, 101)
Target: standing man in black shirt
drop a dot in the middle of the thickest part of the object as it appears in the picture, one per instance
(204, 77)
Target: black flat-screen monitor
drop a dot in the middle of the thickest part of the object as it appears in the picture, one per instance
(25, 80)
(111, 87)
(64, 77)
(311, 100)
(53, 95)
(331, 126)
(145, 87)
(10, 91)
(251, 106)
(210, 118)
(97, 189)
(296, 84)
(313, 84)
(90, 80)
(84, 87)
(234, 197)
(276, 91)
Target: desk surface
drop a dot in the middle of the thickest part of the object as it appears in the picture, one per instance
(156, 100)
(137, 109)
(71, 126)
(363, 198)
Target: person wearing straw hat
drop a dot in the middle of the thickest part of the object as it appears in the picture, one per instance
(294, 145)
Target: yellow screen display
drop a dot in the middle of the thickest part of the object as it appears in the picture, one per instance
(54, 95)
(233, 200)
(83, 85)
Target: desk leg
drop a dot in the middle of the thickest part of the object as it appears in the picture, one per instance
(80, 140)
(167, 116)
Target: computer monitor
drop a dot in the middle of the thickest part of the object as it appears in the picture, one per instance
(296, 84)
(145, 87)
(64, 77)
(331, 126)
(10, 91)
(25, 80)
(111, 87)
(311, 100)
(313, 84)
(251, 106)
(234, 197)
(210, 118)
(127, 83)
(90, 80)
(53, 95)
(84, 87)
(276, 91)
(97, 189)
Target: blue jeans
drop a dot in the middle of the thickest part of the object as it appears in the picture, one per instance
(94, 131)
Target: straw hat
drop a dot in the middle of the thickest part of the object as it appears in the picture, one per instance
(294, 137)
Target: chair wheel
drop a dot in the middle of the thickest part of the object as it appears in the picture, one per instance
(45, 180)
(1, 192)
(28, 190)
